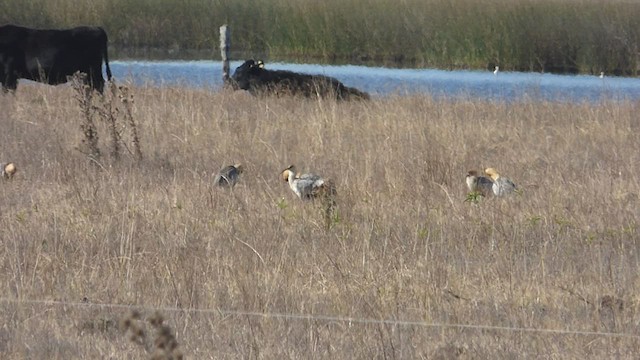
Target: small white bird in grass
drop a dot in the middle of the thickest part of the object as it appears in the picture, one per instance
(479, 183)
(495, 71)
(305, 186)
(501, 185)
(312, 187)
(8, 170)
(228, 176)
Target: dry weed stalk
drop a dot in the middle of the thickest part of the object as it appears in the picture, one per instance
(127, 99)
(109, 113)
(108, 110)
(329, 194)
(163, 346)
(84, 97)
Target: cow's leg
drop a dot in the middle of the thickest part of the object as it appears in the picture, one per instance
(96, 80)
(10, 84)
(99, 84)
(8, 77)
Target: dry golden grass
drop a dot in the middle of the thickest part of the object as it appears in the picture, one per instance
(406, 246)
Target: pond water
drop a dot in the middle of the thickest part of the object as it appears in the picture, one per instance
(503, 86)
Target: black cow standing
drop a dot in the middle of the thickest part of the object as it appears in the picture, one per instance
(252, 76)
(50, 56)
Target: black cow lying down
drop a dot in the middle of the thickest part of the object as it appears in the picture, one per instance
(50, 56)
(252, 76)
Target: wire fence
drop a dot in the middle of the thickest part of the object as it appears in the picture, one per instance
(317, 317)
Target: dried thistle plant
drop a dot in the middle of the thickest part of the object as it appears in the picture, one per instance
(166, 345)
(330, 215)
(163, 346)
(108, 111)
(126, 97)
(84, 97)
(134, 325)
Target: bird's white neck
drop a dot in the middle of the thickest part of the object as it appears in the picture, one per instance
(471, 181)
(292, 177)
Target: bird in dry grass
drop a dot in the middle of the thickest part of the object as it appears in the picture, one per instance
(312, 187)
(8, 170)
(305, 186)
(228, 176)
(478, 183)
(501, 185)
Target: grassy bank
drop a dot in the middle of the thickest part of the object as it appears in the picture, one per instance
(585, 36)
(563, 255)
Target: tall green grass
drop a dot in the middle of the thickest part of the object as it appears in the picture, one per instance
(586, 36)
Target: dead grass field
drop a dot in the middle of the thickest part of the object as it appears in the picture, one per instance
(562, 255)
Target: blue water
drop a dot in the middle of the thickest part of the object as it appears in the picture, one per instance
(379, 81)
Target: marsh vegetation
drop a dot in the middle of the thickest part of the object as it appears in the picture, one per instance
(586, 36)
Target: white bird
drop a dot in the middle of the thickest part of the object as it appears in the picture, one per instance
(228, 176)
(601, 74)
(495, 72)
(311, 187)
(8, 170)
(501, 185)
(305, 186)
(479, 183)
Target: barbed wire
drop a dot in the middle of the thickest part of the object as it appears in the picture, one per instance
(327, 318)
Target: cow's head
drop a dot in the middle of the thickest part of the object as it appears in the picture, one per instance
(250, 69)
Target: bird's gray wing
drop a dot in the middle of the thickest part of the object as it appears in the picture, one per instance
(227, 176)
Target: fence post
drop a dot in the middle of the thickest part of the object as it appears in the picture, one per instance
(225, 44)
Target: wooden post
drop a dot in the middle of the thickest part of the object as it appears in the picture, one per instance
(225, 44)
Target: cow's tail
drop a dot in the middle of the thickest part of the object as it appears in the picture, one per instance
(106, 57)
(106, 63)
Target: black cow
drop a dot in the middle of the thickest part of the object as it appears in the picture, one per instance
(252, 76)
(50, 56)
